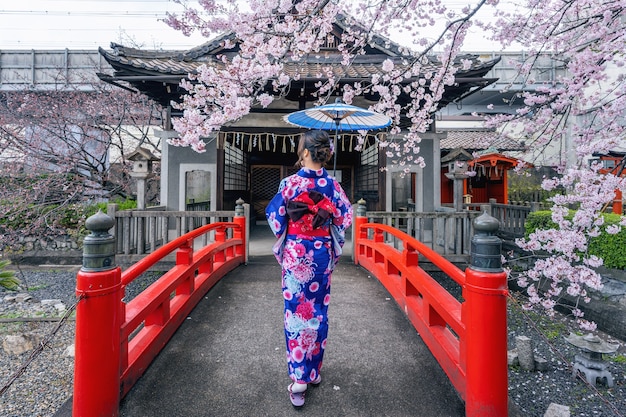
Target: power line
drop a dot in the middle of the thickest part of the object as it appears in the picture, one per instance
(85, 13)
(84, 24)
(109, 1)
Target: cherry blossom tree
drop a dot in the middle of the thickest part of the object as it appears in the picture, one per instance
(59, 148)
(269, 33)
(583, 109)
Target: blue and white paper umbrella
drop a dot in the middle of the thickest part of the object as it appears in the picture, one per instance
(338, 117)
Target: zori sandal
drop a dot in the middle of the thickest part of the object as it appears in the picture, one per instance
(317, 380)
(297, 398)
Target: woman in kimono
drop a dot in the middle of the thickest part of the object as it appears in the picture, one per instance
(309, 215)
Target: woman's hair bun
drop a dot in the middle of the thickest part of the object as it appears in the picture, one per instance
(318, 143)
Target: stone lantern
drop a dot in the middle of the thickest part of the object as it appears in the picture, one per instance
(590, 362)
(457, 171)
(142, 170)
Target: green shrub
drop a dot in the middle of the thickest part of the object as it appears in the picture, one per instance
(126, 204)
(7, 278)
(611, 248)
(75, 216)
(527, 187)
(22, 219)
(538, 220)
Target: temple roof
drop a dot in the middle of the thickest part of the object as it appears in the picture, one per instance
(494, 159)
(477, 140)
(158, 73)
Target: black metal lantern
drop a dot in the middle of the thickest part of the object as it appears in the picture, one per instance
(99, 245)
(486, 247)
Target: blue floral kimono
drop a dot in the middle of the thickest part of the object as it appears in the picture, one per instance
(309, 215)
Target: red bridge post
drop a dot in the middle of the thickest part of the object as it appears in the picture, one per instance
(484, 315)
(241, 220)
(99, 314)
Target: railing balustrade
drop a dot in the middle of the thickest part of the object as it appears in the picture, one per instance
(446, 232)
(155, 314)
(116, 340)
(512, 217)
(468, 337)
(139, 232)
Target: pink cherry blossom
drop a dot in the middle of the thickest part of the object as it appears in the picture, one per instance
(584, 102)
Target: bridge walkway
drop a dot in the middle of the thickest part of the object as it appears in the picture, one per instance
(228, 357)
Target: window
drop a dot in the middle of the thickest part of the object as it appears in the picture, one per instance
(367, 177)
(235, 168)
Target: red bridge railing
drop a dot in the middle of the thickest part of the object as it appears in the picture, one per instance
(116, 341)
(468, 338)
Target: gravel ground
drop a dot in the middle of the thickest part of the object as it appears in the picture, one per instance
(47, 382)
(534, 391)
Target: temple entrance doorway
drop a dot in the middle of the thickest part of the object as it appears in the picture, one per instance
(264, 182)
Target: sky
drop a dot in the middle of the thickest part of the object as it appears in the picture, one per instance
(89, 24)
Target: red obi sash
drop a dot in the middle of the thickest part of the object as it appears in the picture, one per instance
(300, 228)
(312, 209)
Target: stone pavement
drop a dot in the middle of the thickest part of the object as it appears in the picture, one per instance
(228, 357)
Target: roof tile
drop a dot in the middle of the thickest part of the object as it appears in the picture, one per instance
(475, 140)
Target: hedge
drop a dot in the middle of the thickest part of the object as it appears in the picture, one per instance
(611, 248)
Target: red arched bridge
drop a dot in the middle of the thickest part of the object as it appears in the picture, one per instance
(117, 340)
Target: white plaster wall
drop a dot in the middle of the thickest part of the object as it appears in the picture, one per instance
(427, 180)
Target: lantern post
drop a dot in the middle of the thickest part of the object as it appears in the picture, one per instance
(99, 315)
(484, 315)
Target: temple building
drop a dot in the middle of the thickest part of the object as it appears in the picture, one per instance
(248, 158)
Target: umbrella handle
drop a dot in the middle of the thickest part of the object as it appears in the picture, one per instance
(335, 149)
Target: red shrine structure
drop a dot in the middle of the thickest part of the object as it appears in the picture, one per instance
(481, 153)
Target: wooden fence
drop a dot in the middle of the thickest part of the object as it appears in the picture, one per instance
(447, 232)
(512, 217)
(139, 232)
